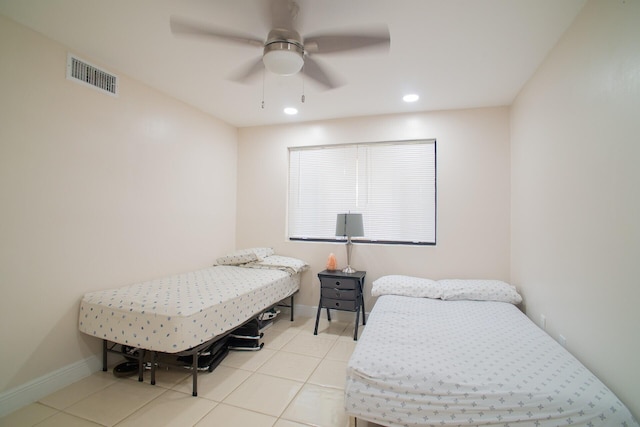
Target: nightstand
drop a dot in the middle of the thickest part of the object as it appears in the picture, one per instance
(341, 291)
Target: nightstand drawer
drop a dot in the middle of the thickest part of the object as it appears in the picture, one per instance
(339, 293)
(339, 304)
(338, 282)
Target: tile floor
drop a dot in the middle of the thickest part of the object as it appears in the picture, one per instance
(296, 380)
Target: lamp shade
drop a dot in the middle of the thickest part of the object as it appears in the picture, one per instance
(349, 225)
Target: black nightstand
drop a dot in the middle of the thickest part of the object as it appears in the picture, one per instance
(341, 291)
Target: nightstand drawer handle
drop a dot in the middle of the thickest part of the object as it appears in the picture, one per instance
(337, 283)
(337, 304)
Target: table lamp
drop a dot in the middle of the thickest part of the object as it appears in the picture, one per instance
(349, 225)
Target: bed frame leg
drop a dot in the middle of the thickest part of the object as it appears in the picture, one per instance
(154, 359)
(195, 374)
(104, 355)
(141, 353)
(292, 308)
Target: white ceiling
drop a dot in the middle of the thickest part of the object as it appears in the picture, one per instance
(453, 53)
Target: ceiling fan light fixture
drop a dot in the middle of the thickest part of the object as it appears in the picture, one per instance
(283, 58)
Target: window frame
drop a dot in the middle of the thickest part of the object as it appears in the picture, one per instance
(364, 239)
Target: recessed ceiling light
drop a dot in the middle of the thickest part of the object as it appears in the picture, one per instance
(291, 111)
(412, 97)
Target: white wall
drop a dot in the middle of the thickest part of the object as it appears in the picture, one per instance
(575, 196)
(98, 192)
(95, 192)
(473, 195)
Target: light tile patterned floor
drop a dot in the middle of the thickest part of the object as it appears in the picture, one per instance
(296, 380)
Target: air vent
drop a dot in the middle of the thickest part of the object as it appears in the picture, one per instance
(81, 71)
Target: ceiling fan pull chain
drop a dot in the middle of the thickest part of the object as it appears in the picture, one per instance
(302, 77)
(263, 89)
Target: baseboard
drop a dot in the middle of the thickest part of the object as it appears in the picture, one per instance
(30, 392)
(311, 311)
(303, 311)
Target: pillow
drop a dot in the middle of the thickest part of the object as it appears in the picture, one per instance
(279, 262)
(238, 257)
(243, 256)
(262, 253)
(406, 286)
(479, 290)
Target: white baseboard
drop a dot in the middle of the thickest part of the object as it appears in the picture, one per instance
(311, 311)
(304, 311)
(30, 392)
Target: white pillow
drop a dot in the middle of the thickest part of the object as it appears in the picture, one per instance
(243, 256)
(262, 253)
(238, 257)
(479, 290)
(406, 286)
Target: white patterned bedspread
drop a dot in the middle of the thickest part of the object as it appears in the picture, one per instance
(426, 362)
(176, 313)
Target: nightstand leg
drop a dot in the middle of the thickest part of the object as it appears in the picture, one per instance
(362, 303)
(328, 315)
(315, 331)
(355, 329)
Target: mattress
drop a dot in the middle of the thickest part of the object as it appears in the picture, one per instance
(176, 313)
(428, 362)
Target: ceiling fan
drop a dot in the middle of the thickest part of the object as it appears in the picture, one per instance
(284, 51)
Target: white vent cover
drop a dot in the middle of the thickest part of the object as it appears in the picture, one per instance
(81, 71)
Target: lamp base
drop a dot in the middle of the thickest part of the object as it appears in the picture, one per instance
(348, 268)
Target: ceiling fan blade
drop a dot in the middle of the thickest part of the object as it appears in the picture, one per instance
(186, 27)
(314, 71)
(331, 43)
(247, 72)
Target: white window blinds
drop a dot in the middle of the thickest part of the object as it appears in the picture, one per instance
(393, 185)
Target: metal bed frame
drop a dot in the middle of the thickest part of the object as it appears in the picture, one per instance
(194, 352)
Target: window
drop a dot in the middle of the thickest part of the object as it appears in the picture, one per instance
(393, 185)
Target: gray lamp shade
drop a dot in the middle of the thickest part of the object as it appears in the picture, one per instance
(349, 225)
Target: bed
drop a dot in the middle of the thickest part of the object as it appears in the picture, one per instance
(186, 313)
(460, 353)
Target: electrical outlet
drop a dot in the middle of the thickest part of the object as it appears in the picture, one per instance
(543, 322)
(562, 340)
